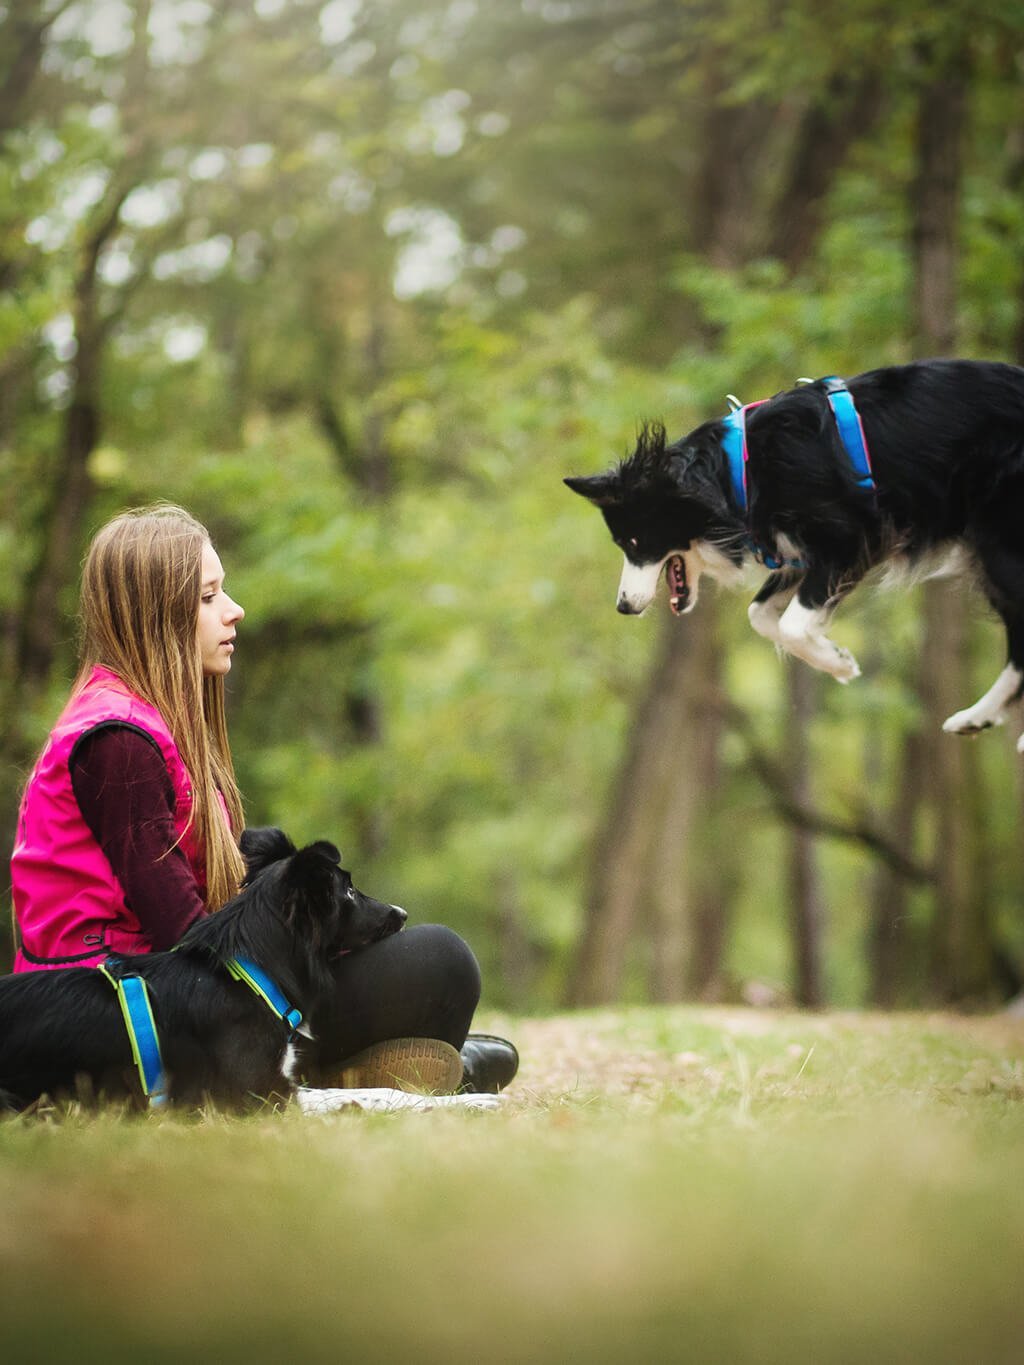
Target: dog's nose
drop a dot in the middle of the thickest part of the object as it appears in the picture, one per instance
(401, 915)
(625, 607)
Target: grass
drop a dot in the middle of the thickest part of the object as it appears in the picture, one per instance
(684, 1184)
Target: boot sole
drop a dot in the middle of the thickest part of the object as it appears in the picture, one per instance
(423, 1066)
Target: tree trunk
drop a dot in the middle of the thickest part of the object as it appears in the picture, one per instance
(22, 41)
(722, 223)
(639, 881)
(807, 910)
(685, 786)
(42, 624)
(714, 876)
(961, 949)
(515, 953)
(939, 133)
(844, 111)
(890, 891)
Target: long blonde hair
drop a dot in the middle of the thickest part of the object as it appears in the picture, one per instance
(141, 584)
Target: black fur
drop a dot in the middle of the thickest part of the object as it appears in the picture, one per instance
(61, 1032)
(947, 446)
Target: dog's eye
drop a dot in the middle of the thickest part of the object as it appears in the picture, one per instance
(633, 543)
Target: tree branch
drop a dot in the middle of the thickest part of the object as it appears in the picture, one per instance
(860, 829)
(25, 38)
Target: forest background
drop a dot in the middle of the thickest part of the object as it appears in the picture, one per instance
(359, 283)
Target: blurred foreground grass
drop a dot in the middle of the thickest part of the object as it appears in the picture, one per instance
(681, 1184)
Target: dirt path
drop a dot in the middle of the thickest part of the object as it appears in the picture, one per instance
(638, 1053)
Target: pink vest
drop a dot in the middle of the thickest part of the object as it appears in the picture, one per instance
(68, 905)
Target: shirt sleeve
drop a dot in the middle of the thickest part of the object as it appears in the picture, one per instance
(124, 792)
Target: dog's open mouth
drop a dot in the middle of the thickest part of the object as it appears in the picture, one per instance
(678, 590)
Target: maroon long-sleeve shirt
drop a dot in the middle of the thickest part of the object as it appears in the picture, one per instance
(124, 792)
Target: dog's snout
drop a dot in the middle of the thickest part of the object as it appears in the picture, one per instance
(625, 606)
(400, 914)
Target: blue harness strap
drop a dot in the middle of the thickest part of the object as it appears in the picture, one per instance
(851, 430)
(133, 997)
(734, 447)
(242, 969)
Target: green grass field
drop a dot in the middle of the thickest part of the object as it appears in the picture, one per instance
(683, 1184)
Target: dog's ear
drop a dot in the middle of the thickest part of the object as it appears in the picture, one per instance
(602, 489)
(323, 850)
(263, 846)
(312, 866)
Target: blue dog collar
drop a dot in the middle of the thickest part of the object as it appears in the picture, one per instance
(133, 997)
(242, 969)
(851, 430)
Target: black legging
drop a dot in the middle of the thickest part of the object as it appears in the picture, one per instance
(421, 983)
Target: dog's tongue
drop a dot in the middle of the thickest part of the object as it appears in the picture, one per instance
(678, 592)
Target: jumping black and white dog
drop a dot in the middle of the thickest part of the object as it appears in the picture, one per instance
(62, 1032)
(821, 484)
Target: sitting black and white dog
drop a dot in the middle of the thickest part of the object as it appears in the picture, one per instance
(62, 1032)
(823, 483)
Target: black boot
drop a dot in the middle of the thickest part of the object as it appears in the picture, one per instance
(488, 1064)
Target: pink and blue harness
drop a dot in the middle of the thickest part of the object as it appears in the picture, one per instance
(851, 434)
(143, 1035)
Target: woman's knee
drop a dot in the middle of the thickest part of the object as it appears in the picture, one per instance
(450, 957)
(423, 982)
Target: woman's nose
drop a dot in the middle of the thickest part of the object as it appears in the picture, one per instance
(233, 612)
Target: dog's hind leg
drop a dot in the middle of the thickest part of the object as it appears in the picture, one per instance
(1003, 581)
(802, 629)
(992, 708)
(765, 612)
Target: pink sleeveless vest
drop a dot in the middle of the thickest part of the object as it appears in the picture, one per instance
(68, 905)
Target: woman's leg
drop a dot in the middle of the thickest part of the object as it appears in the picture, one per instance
(421, 983)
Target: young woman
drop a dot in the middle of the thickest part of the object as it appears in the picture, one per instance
(129, 823)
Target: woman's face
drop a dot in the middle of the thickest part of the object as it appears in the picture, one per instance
(218, 617)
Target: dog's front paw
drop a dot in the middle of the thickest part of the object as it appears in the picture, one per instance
(846, 667)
